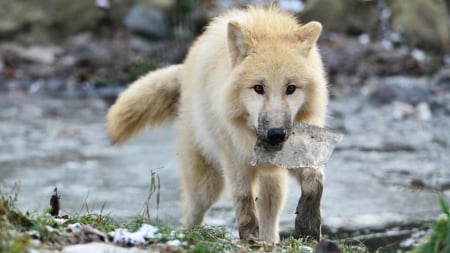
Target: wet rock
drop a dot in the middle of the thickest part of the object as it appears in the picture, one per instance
(409, 90)
(141, 45)
(336, 50)
(440, 103)
(93, 54)
(77, 233)
(350, 63)
(41, 54)
(441, 80)
(416, 239)
(80, 39)
(93, 234)
(147, 21)
(162, 52)
(38, 54)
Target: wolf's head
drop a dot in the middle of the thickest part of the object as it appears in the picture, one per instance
(277, 75)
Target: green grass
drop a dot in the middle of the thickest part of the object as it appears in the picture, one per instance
(101, 222)
(439, 242)
(207, 239)
(10, 219)
(15, 236)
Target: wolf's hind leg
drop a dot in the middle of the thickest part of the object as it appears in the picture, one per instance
(202, 183)
(308, 220)
(269, 203)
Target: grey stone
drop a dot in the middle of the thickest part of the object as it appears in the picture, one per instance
(440, 103)
(441, 79)
(401, 88)
(39, 54)
(148, 22)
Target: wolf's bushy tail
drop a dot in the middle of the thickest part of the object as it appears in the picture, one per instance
(150, 101)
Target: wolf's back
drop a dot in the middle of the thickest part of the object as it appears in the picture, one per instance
(150, 101)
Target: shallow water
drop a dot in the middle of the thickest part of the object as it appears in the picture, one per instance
(383, 173)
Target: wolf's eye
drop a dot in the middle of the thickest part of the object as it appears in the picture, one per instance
(290, 89)
(259, 89)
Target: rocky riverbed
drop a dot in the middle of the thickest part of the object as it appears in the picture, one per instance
(387, 173)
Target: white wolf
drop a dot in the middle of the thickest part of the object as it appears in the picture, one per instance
(251, 74)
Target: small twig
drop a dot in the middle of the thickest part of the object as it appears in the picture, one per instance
(85, 204)
(154, 188)
(158, 196)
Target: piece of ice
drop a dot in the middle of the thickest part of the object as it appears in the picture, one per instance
(308, 146)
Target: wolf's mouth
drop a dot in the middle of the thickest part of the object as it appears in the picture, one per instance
(269, 146)
(273, 139)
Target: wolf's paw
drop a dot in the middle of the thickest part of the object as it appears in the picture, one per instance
(307, 228)
(249, 238)
(249, 234)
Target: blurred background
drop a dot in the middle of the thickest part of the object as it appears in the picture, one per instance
(62, 63)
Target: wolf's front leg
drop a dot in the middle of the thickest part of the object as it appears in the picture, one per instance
(308, 220)
(270, 201)
(242, 180)
(246, 216)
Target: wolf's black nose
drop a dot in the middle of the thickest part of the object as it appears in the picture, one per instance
(276, 135)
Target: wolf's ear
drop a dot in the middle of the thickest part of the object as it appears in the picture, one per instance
(237, 43)
(308, 35)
